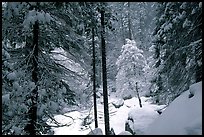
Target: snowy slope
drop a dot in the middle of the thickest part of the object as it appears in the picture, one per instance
(117, 116)
(182, 117)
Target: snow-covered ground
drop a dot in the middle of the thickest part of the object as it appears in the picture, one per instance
(117, 116)
(182, 116)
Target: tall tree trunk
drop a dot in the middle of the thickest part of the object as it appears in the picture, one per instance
(105, 93)
(141, 32)
(122, 25)
(122, 29)
(129, 22)
(32, 113)
(94, 80)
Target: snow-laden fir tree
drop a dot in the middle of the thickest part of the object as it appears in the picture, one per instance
(130, 65)
(150, 72)
(30, 79)
(178, 48)
(60, 26)
(135, 18)
(53, 92)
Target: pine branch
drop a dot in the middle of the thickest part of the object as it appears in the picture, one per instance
(190, 45)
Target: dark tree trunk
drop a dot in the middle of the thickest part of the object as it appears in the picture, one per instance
(32, 113)
(140, 103)
(129, 22)
(122, 25)
(94, 80)
(105, 92)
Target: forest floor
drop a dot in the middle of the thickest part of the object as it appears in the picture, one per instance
(118, 116)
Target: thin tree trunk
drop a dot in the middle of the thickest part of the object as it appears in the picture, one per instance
(122, 28)
(32, 113)
(122, 25)
(94, 80)
(129, 22)
(141, 28)
(140, 103)
(105, 92)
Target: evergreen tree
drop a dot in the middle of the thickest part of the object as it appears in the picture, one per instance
(177, 34)
(119, 20)
(131, 64)
(51, 93)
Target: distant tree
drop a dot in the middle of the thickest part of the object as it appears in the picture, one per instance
(130, 64)
(150, 72)
(135, 22)
(141, 24)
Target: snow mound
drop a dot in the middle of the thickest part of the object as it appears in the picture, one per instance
(118, 104)
(182, 117)
(96, 131)
(124, 133)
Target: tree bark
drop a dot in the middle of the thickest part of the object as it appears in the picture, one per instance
(104, 76)
(32, 113)
(122, 25)
(140, 103)
(129, 22)
(94, 80)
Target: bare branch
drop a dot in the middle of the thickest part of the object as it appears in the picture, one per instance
(57, 123)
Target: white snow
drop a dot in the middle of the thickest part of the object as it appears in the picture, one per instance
(41, 109)
(186, 23)
(16, 85)
(54, 106)
(31, 85)
(124, 133)
(183, 6)
(200, 4)
(193, 11)
(17, 130)
(118, 103)
(12, 76)
(48, 18)
(5, 98)
(167, 27)
(96, 131)
(34, 15)
(183, 116)
(130, 61)
(117, 116)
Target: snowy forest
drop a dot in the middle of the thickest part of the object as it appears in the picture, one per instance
(101, 68)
